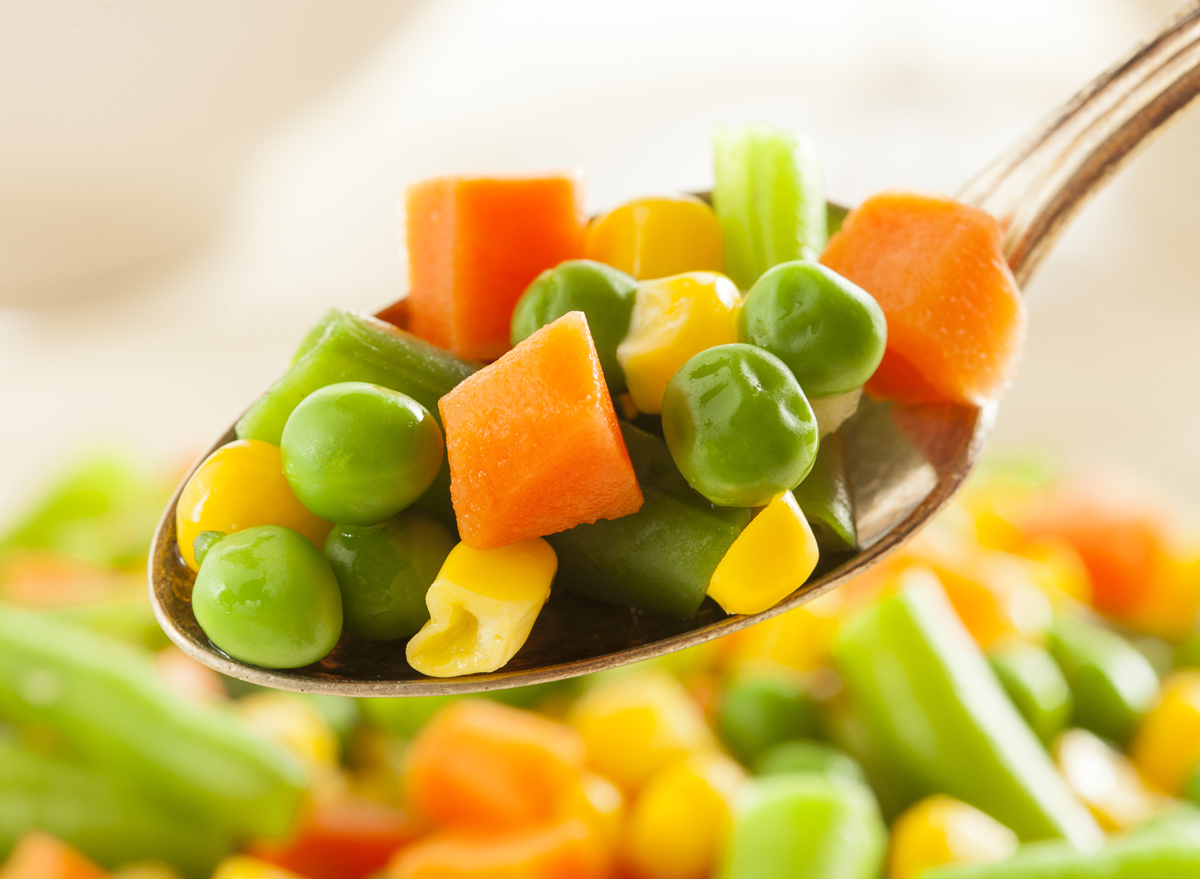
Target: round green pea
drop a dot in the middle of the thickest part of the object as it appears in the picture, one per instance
(356, 453)
(602, 293)
(807, 756)
(267, 596)
(738, 425)
(385, 570)
(829, 331)
(762, 709)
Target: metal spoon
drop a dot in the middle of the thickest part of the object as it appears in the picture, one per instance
(907, 461)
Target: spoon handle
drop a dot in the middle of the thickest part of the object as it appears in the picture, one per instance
(1036, 187)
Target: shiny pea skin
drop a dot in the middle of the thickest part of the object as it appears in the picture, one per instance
(384, 571)
(829, 331)
(738, 425)
(356, 453)
(604, 294)
(268, 597)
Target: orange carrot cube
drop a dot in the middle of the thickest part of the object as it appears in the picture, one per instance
(480, 765)
(475, 244)
(567, 850)
(533, 442)
(39, 855)
(956, 320)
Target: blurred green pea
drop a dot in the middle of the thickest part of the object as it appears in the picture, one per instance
(803, 755)
(761, 709)
(1036, 686)
(1112, 684)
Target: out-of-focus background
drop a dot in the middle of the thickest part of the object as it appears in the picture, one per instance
(184, 188)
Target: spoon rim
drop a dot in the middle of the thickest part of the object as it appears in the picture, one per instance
(164, 551)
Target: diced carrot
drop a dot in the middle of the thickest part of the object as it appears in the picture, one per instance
(1121, 539)
(475, 244)
(955, 318)
(395, 314)
(478, 764)
(39, 855)
(570, 849)
(341, 839)
(533, 442)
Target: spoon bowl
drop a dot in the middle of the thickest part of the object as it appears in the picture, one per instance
(906, 462)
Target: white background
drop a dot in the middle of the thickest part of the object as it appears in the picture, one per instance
(184, 188)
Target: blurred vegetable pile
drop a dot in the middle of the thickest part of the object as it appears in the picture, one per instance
(1016, 694)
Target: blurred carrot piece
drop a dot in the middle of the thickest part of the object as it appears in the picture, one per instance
(475, 244)
(39, 855)
(533, 442)
(341, 839)
(568, 850)
(481, 765)
(956, 320)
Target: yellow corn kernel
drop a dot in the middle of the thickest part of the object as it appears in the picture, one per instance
(681, 817)
(1166, 746)
(242, 867)
(656, 237)
(637, 723)
(599, 802)
(481, 607)
(294, 723)
(769, 561)
(147, 870)
(673, 319)
(943, 830)
(1104, 779)
(241, 485)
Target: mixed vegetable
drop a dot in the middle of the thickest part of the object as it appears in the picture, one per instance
(1017, 694)
(648, 431)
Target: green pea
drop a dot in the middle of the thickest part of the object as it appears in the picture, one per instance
(356, 453)
(602, 293)
(829, 332)
(1036, 686)
(385, 570)
(204, 542)
(267, 596)
(1112, 684)
(806, 756)
(763, 709)
(738, 425)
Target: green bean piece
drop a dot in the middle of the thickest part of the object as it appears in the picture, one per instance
(907, 664)
(1170, 850)
(105, 701)
(769, 197)
(106, 816)
(355, 347)
(826, 498)
(1036, 686)
(659, 559)
(1112, 684)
